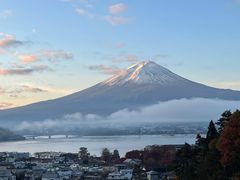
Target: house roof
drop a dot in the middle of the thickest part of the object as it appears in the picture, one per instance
(50, 175)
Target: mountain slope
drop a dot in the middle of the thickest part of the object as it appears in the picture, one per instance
(6, 135)
(142, 84)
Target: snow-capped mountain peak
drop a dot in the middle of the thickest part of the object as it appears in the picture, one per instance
(146, 72)
(140, 85)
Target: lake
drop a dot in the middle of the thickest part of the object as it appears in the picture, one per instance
(95, 144)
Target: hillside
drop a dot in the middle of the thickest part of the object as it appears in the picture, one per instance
(7, 135)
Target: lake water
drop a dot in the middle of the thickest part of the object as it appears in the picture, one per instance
(93, 143)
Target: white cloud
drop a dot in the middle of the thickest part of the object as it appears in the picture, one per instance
(47, 88)
(182, 110)
(52, 55)
(105, 69)
(6, 14)
(29, 87)
(117, 8)
(117, 20)
(23, 89)
(34, 30)
(84, 12)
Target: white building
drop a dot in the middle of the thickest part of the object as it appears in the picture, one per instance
(127, 173)
(153, 175)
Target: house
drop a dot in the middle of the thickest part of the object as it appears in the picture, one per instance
(152, 175)
(65, 173)
(169, 175)
(132, 162)
(10, 159)
(74, 166)
(76, 174)
(114, 176)
(92, 177)
(50, 175)
(126, 173)
(19, 155)
(7, 175)
(19, 164)
(119, 167)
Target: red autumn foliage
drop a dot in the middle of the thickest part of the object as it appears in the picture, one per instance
(229, 143)
(154, 156)
(134, 154)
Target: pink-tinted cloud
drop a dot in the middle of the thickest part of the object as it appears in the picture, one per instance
(50, 55)
(7, 41)
(117, 8)
(23, 71)
(5, 105)
(28, 58)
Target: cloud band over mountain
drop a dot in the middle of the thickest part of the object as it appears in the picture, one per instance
(182, 110)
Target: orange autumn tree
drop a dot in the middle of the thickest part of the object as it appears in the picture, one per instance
(229, 144)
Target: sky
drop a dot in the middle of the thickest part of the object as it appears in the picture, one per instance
(51, 48)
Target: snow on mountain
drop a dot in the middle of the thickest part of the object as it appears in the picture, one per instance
(146, 72)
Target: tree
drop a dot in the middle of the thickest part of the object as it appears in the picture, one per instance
(134, 154)
(229, 144)
(225, 117)
(116, 154)
(186, 164)
(138, 173)
(83, 154)
(212, 132)
(106, 155)
(200, 142)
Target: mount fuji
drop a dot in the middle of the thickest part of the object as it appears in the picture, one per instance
(140, 85)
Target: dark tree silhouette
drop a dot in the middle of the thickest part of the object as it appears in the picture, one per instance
(212, 132)
(116, 154)
(83, 154)
(225, 117)
(106, 155)
(186, 163)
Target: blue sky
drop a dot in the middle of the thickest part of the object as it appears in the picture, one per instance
(50, 48)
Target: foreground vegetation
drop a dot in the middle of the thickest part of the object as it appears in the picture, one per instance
(216, 157)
